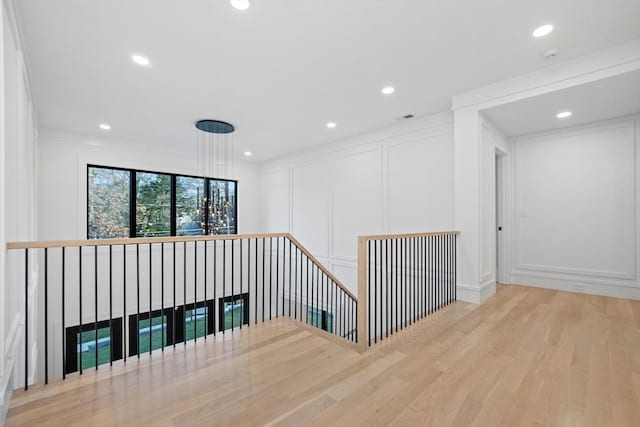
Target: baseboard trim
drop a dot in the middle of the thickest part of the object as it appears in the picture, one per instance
(606, 289)
(476, 294)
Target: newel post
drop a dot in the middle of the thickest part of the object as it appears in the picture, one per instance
(362, 293)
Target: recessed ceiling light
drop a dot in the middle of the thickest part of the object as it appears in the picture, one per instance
(331, 125)
(564, 114)
(104, 126)
(240, 4)
(141, 60)
(388, 90)
(248, 153)
(542, 30)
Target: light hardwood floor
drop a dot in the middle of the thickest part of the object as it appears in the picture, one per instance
(526, 357)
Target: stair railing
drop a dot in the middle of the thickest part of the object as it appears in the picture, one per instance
(402, 278)
(88, 303)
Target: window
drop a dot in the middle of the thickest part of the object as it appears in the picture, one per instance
(190, 206)
(152, 333)
(81, 346)
(196, 321)
(153, 205)
(133, 203)
(234, 311)
(320, 319)
(190, 321)
(223, 207)
(108, 201)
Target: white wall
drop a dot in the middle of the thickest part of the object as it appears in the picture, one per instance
(18, 203)
(395, 180)
(575, 209)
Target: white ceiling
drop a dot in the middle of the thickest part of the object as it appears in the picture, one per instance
(282, 69)
(602, 100)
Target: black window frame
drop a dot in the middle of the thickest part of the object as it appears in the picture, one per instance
(173, 209)
(176, 324)
(71, 341)
(245, 305)
(134, 320)
(324, 318)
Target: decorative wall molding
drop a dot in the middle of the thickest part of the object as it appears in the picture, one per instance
(621, 283)
(382, 142)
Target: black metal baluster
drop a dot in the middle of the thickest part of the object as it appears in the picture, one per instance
(410, 279)
(206, 309)
(277, 271)
(233, 278)
(95, 295)
(150, 298)
(195, 290)
(255, 301)
(224, 285)
(124, 303)
(110, 304)
(295, 285)
(248, 280)
(386, 285)
(425, 271)
(440, 251)
(79, 355)
(369, 276)
(263, 252)
(184, 292)
(312, 300)
(439, 277)
(420, 279)
(270, 274)
(326, 296)
(215, 282)
(162, 341)
(307, 294)
(446, 268)
(46, 316)
(430, 276)
(26, 319)
(241, 320)
(375, 292)
(290, 276)
(455, 268)
(414, 268)
(64, 341)
(173, 313)
(395, 253)
(137, 299)
(343, 317)
(405, 285)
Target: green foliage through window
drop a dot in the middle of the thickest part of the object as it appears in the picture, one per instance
(108, 207)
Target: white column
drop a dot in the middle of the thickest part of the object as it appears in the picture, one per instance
(467, 203)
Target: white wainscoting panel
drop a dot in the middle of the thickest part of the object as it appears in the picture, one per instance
(275, 201)
(357, 199)
(576, 202)
(419, 179)
(310, 206)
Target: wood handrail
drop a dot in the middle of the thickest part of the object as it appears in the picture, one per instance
(322, 267)
(407, 235)
(136, 241)
(154, 240)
